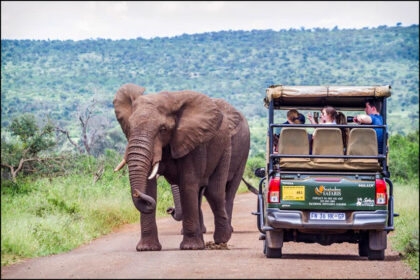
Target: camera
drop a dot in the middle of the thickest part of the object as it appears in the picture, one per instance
(350, 119)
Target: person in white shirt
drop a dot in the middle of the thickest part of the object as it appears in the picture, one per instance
(328, 116)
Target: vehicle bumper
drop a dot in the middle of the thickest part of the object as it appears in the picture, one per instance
(294, 219)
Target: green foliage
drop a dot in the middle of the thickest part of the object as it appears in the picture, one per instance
(32, 138)
(404, 157)
(26, 142)
(252, 164)
(55, 77)
(24, 127)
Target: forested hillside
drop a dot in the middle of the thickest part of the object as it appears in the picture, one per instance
(58, 77)
(60, 140)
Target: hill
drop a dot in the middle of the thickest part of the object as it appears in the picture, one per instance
(56, 77)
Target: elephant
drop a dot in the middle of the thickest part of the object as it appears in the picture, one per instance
(240, 149)
(186, 137)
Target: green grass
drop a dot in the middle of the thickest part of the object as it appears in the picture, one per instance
(405, 238)
(50, 216)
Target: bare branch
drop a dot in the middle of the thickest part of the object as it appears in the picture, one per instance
(99, 173)
(64, 131)
(14, 171)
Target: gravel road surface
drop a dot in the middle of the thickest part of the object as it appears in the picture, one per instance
(115, 256)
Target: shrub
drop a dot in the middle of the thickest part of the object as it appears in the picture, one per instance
(404, 157)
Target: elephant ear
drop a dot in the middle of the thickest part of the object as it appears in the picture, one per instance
(233, 116)
(198, 120)
(123, 101)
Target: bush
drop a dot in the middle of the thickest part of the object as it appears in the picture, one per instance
(252, 164)
(404, 157)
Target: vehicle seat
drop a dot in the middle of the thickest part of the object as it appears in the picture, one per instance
(327, 141)
(362, 142)
(293, 141)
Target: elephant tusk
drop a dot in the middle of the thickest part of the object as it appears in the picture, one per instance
(154, 171)
(121, 165)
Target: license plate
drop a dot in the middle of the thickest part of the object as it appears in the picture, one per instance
(293, 193)
(327, 216)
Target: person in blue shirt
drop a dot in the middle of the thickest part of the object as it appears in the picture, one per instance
(372, 109)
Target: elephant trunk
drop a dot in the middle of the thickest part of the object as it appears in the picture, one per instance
(177, 211)
(139, 160)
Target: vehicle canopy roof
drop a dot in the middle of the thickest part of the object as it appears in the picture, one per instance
(315, 97)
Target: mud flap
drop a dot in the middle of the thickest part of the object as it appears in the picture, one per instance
(274, 239)
(377, 240)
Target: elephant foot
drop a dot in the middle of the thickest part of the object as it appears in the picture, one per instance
(203, 230)
(148, 245)
(192, 243)
(222, 235)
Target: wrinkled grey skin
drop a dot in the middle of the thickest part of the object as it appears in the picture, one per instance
(190, 137)
(176, 211)
(240, 148)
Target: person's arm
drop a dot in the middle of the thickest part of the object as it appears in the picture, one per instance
(311, 119)
(362, 119)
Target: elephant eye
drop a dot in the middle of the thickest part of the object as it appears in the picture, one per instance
(163, 129)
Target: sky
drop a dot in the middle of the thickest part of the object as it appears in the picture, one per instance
(79, 20)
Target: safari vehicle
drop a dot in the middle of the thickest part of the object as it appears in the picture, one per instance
(328, 196)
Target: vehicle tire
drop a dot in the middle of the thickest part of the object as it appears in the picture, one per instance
(378, 239)
(273, 252)
(265, 247)
(376, 255)
(364, 245)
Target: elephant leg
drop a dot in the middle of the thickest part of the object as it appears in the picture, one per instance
(215, 194)
(231, 188)
(149, 234)
(200, 198)
(193, 237)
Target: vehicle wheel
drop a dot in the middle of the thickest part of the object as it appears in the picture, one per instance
(376, 255)
(265, 247)
(273, 253)
(364, 245)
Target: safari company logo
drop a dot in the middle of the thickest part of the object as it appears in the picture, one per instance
(321, 190)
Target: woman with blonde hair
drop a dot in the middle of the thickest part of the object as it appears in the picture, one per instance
(330, 116)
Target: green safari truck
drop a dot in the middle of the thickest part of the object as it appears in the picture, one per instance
(325, 189)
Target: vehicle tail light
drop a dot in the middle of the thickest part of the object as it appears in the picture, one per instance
(381, 197)
(274, 190)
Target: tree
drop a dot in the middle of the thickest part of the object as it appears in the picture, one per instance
(29, 141)
(94, 126)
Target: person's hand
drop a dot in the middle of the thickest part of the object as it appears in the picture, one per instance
(310, 116)
(355, 119)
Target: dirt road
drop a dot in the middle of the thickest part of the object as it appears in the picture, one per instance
(114, 256)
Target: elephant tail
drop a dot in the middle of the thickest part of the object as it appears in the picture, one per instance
(250, 188)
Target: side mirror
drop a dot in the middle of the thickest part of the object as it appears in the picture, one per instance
(260, 172)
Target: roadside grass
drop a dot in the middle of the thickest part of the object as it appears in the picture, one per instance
(405, 238)
(53, 215)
